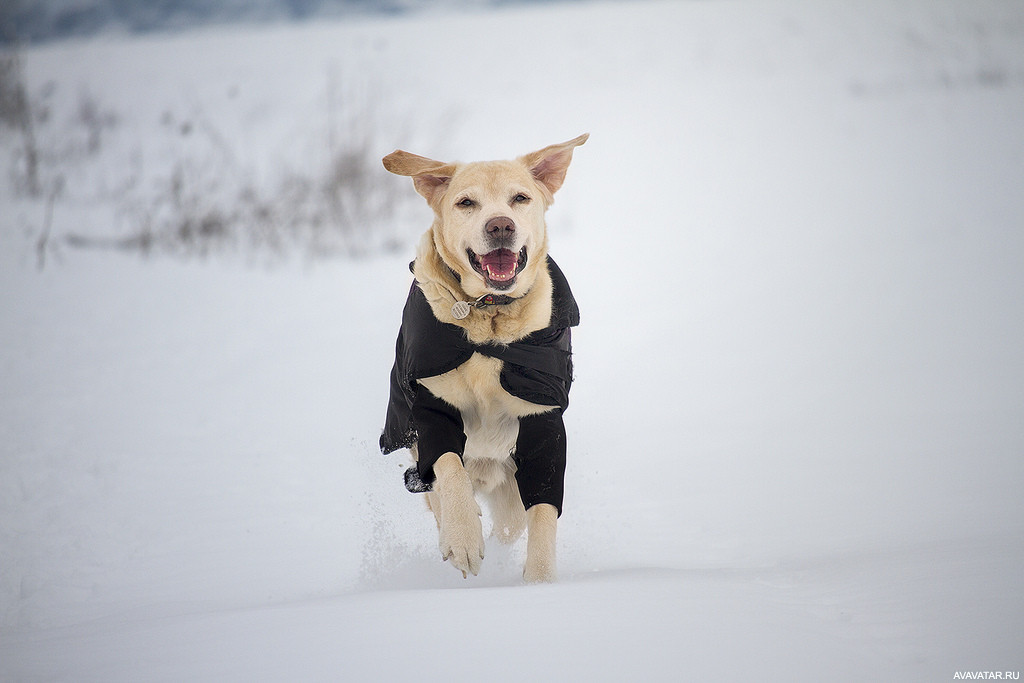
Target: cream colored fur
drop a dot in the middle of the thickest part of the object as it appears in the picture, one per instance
(490, 414)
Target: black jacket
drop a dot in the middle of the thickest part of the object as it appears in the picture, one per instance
(537, 368)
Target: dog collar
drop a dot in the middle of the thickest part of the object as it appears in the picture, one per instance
(461, 309)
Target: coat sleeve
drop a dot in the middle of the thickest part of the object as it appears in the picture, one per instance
(417, 417)
(439, 430)
(540, 459)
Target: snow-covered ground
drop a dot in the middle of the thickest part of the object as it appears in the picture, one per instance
(797, 431)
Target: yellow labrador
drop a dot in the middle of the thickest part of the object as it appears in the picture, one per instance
(483, 361)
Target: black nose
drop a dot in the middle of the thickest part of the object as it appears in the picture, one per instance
(501, 227)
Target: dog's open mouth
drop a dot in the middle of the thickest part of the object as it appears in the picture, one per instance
(499, 267)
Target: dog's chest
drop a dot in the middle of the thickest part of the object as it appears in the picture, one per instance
(475, 387)
(490, 415)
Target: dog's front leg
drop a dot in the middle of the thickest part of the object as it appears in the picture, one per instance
(461, 534)
(541, 525)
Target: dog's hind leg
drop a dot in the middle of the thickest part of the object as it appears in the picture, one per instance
(461, 538)
(541, 525)
(507, 510)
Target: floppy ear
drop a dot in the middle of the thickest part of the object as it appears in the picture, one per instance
(428, 176)
(549, 165)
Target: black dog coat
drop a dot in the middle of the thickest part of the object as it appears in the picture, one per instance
(537, 368)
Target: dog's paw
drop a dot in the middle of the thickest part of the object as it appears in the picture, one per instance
(462, 539)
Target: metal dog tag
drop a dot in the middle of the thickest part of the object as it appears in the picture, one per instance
(460, 309)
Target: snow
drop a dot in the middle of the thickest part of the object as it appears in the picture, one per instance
(797, 427)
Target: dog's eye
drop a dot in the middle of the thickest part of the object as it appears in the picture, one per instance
(465, 203)
(520, 199)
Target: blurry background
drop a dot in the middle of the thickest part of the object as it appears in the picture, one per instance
(797, 427)
(41, 20)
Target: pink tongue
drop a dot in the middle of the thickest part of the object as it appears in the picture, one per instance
(501, 262)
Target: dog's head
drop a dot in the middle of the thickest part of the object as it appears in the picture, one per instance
(489, 216)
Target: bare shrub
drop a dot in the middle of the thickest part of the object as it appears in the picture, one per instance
(16, 115)
(95, 120)
(339, 203)
(194, 197)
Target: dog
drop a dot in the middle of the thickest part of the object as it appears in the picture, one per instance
(483, 361)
